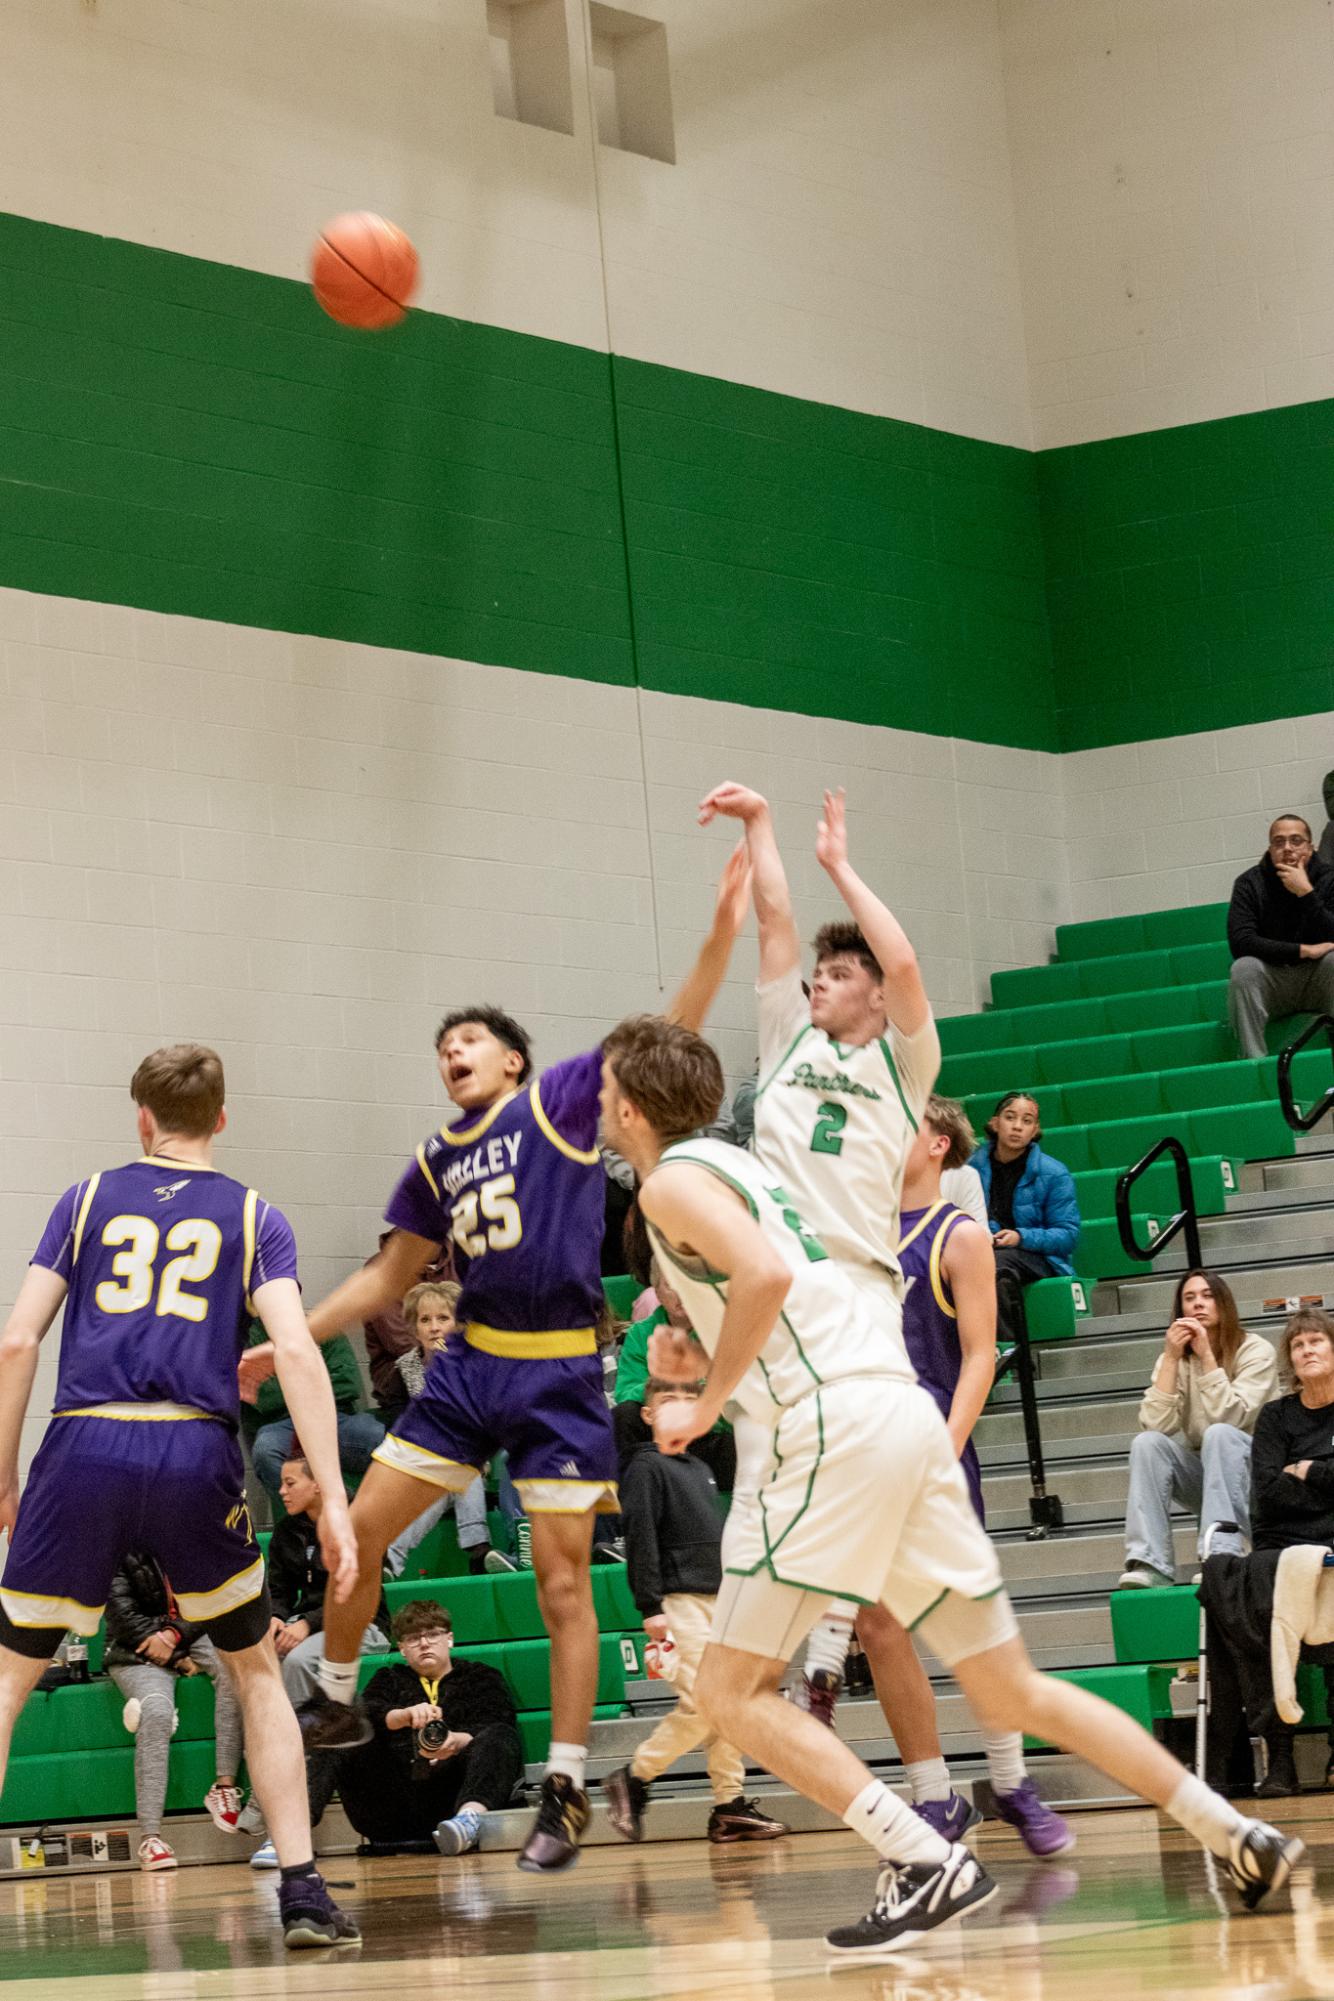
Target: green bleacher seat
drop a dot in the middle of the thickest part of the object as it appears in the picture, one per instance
(1176, 1048)
(1245, 1132)
(1203, 1086)
(99, 1785)
(1201, 962)
(1135, 1095)
(1137, 972)
(1100, 937)
(470, 1602)
(1100, 1252)
(963, 1076)
(1143, 1692)
(613, 1600)
(1166, 1007)
(1025, 986)
(1054, 1307)
(535, 1728)
(1091, 1056)
(1160, 1625)
(1197, 924)
(517, 1616)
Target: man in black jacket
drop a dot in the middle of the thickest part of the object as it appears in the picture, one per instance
(446, 1750)
(1280, 926)
(673, 1552)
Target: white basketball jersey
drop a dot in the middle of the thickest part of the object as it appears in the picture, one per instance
(834, 1122)
(829, 1328)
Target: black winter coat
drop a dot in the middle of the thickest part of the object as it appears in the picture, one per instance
(139, 1605)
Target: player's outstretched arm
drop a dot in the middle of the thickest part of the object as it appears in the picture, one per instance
(906, 1003)
(969, 1265)
(780, 947)
(308, 1394)
(700, 986)
(692, 1208)
(41, 1296)
(391, 1273)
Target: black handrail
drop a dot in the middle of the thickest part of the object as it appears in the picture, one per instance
(1044, 1510)
(1186, 1219)
(1303, 1122)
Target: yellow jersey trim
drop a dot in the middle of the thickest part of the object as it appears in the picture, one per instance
(237, 1591)
(248, 1226)
(405, 1456)
(552, 1344)
(84, 1207)
(189, 1166)
(568, 1497)
(421, 1162)
(31, 1609)
(141, 1413)
(937, 1276)
(465, 1135)
(589, 1159)
(923, 1222)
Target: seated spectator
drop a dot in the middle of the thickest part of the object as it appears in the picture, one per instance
(428, 1311)
(149, 1647)
(403, 1789)
(1193, 1448)
(269, 1429)
(389, 1337)
(297, 1579)
(1292, 1503)
(1280, 927)
(673, 1538)
(1032, 1207)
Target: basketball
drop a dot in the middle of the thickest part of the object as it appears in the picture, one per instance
(364, 271)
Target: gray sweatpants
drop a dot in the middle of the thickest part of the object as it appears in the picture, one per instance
(156, 1689)
(1257, 993)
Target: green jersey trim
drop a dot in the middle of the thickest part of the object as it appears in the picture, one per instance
(795, 1043)
(914, 1118)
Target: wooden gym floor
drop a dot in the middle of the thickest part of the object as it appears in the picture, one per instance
(1131, 1914)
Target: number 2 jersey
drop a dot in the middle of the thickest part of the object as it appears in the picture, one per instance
(520, 1189)
(835, 1122)
(162, 1259)
(829, 1328)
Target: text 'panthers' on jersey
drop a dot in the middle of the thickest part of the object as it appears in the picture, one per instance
(835, 1122)
(829, 1328)
(520, 1190)
(162, 1259)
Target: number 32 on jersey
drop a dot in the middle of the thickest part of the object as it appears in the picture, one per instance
(487, 1218)
(136, 1239)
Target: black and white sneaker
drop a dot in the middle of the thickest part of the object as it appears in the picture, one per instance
(627, 1803)
(311, 1917)
(1261, 1859)
(911, 1899)
(333, 1726)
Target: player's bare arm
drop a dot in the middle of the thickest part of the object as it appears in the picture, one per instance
(969, 1265)
(382, 1283)
(308, 1395)
(41, 1296)
(692, 1210)
(780, 946)
(906, 1003)
(700, 986)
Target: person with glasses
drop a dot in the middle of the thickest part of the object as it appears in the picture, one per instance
(1280, 927)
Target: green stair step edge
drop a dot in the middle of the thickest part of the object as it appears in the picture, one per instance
(1142, 1691)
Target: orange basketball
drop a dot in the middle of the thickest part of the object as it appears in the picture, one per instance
(364, 271)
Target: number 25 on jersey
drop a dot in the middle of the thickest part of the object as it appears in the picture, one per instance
(135, 1266)
(491, 1205)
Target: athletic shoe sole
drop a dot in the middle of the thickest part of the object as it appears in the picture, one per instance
(981, 1893)
(309, 1933)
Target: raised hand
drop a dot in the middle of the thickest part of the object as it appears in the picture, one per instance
(675, 1356)
(677, 1421)
(733, 900)
(338, 1547)
(831, 837)
(734, 802)
(255, 1367)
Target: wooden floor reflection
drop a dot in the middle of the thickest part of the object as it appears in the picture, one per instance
(1133, 1913)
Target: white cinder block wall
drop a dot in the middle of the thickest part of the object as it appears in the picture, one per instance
(1173, 169)
(304, 852)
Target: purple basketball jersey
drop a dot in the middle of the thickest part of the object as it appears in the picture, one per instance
(520, 1190)
(162, 1259)
(930, 1327)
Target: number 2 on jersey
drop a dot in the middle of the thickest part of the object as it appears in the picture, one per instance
(132, 1286)
(829, 1123)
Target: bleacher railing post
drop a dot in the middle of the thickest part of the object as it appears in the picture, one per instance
(1044, 1510)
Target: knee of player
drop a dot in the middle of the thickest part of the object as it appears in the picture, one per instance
(565, 1595)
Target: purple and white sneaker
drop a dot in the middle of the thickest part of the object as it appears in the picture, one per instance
(950, 1819)
(1042, 1832)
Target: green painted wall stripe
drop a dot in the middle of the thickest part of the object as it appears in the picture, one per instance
(194, 438)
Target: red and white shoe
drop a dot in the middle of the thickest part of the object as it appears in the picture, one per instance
(154, 1853)
(223, 1806)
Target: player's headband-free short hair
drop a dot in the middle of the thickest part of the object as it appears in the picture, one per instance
(947, 1118)
(419, 1617)
(503, 1026)
(668, 1073)
(834, 941)
(182, 1086)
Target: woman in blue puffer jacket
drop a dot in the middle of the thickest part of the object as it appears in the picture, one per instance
(1031, 1202)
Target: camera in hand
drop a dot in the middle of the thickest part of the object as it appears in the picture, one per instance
(432, 1736)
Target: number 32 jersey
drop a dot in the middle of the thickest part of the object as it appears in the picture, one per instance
(519, 1188)
(835, 1122)
(162, 1259)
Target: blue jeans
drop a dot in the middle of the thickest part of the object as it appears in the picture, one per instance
(359, 1432)
(1214, 1483)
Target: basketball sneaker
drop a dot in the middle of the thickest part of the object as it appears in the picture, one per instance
(1260, 1859)
(562, 1816)
(912, 1899)
(627, 1803)
(311, 1917)
(951, 1819)
(818, 1694)
(1042, 1832)
(743, 1820)
(333, 1726)
(223, 1807)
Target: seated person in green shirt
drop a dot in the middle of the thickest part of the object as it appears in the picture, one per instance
(718, 1447)
(269, 1429)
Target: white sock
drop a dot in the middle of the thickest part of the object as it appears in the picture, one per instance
(570, 1759)
(1205, 1814)
(929, 1779)
(893, 1829)
(338, 1679)
(828, 1644)
(1005, 1761)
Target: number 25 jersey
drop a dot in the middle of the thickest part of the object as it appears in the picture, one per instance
(520, 1189)
(162, 1258)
